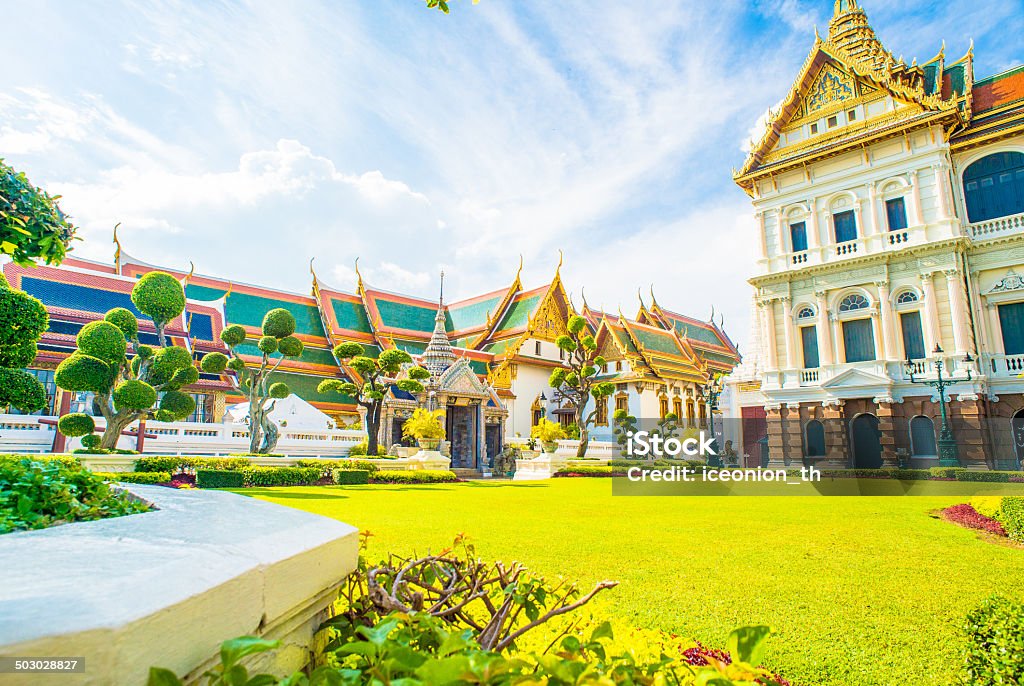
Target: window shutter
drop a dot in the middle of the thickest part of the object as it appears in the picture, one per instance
(809, 338)
(1011, 321)
(896, 213)
(913, 336)
(846, 226)
(858, 340)
(798, 234)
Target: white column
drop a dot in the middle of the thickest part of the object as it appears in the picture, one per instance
(824, 332)
(879, 335)
(958, 310)
(763, 236)
(788, 332)
(942, 188)
(876, 227)
(996, 327)
(888, 322)
(769, 317)
(915, 192)
(785, 240)
(840, 341)
(813, 237)
(931, 312)
(863, 231)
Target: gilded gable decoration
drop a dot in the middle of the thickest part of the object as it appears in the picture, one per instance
(830, 86)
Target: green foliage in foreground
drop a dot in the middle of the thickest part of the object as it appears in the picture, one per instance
(219, 478)
(1011, 516)
(995, 650)
(699, 566)
(417, 477)
(349, 477)
(36, 494)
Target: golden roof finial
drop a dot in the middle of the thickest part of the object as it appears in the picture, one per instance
(559, 267)
(583, 295)
(231, 287)
(640, 298)
(359, 277)
(654, 301)
(519, 271)
(117, 251)
(191, 271)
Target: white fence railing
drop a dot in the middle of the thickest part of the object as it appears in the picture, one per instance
(601, 450)
(994, 228)
(25, 434)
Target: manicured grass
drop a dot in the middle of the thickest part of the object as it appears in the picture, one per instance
(860, 590)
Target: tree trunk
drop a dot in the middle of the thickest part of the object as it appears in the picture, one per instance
(271, 433)
(116, 424)
(255, 427)
(372, 429)
(581, 451)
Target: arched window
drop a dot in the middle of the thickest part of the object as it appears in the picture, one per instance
(853, 302)
(906, 297)
(805, 313)
(691, 412)
(994, 186)
(663, 406)
(922, 437)
(814, 439)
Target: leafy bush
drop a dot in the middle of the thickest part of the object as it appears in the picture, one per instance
(359, 449)
(965, 515)
(413, 477)
(68, 461)
(281, 476)
(136, 477)
(974, 475)
(350, 476)
(995, 647)
(1011, 516)
(987, 505)
(547, 431)
(944, 472)
(176, 464)
(423, 424)
(589, 470)
(32, 225)
(219, 478)
(344, 463)
(35, 494)
(910, 474)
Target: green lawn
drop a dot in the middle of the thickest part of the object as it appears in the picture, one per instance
(860, 590)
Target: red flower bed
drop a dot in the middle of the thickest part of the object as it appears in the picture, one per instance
(697, 656)
(965, 515)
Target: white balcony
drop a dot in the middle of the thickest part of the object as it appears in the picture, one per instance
(997, 228)
(1006, 366)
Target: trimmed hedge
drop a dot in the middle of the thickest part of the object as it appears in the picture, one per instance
(281, 476)
(360, 449)
(1011, 516)
(219, 478)
(972, 475)
(136, 477)
(328, 466)
(944, 472)
(346, 477)
(69, 461)
(995, 648)
(416, 477)
(592, 470)
(176, 464)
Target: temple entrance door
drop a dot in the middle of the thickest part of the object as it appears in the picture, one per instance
(1017, 429)
(864, 442)
(462, 436)
(493, 436)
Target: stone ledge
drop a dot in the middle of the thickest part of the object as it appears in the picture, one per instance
(167, 587)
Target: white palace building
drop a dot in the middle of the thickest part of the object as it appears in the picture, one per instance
(890, 207)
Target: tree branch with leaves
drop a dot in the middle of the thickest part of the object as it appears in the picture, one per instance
(575, 383)
(391, 368)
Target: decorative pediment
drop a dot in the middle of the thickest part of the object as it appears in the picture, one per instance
(460, 379)
(1010, 282)
(857, 380)
(829, 87)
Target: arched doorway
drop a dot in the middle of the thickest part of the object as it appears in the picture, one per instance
(865, 446)
(1017, 429)
(994, 186)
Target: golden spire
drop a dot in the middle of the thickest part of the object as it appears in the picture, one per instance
(519, 271)
(117, 251)
(559, 267)
(191, 272)
(359, 277)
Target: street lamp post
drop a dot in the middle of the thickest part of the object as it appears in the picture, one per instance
(949, 454)
(709, 393)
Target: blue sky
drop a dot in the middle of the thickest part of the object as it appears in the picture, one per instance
(251, 137)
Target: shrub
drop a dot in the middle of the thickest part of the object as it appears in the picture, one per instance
(169, 464)
(134, 395)
(278, 323)
(423, 424)
(124, 320)
(281, 476)
(68, 461)
(1011, 516)
(967, 516)
(176, 464)
(42, 493)
(76, 424)
(944, 472)
(350, 476)
(219, 478)
(973, 475)
(329, 465)
(102, 340)
(995, 645)
(590, 470)
(910, 474)
(547, 431)
(32, 225)
(160, 296)
(91, 442)
(136, 477)
(360, 449)
(987, 505)
(412, 477)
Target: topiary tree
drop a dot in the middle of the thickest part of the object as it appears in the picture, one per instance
(576, 381)
(131, 381)
(392, 368)
(624, 426)
(257, 383)
(32, 226)
(23, 320)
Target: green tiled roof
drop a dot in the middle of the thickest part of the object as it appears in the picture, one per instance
(309, 354)
(518, 314)
(478, 366)
(464, 342)
(718, 357)
(659, 342)
(249, 310)
(499, 347)
(351, 316)
(473, 315)
(304, 386)
(624, 340)
(404, 316)
(411, 347)
(698, 333)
